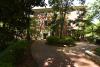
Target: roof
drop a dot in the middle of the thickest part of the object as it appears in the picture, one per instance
(49, 9)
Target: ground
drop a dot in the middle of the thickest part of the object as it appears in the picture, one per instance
(53, 56)
(77, 54)
(28, 60)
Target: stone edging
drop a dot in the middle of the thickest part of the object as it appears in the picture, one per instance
(93, 56)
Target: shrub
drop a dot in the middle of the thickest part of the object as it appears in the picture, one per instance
(53, 40)
(5, 36)
(3, 64)
(67, 40)
(90, 39)
(13, 54)
(97, 51)
(98, 41)
(61, 41)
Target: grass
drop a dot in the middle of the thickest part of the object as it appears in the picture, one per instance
(17, 55)
(13, 54)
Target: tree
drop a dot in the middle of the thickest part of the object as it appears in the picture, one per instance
(15, 18)
(63, 7)
(93, 11)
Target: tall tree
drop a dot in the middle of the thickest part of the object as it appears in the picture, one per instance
(93, 11)
(63, 7)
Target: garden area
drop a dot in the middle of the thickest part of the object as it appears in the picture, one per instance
(63, 33)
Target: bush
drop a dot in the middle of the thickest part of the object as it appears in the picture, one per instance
(13, 54)
(61, 41)
(69, 41)
(97, 51)
(6, 36)
(3, 64)
(98, 41)
(90, 39)
(54, 40)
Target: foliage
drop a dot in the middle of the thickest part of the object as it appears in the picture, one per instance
(97, 41)
(97, 51)
(3, 64)
(15, 19)
(67, 40)
(65, 3)
(77, 34)
(92, 32)
(63, 7)
(13, 54)
(97, 31)
(90, 39)
(54, 40)
(93, 11)
(34, 31)
(5, 37)
(90, 28)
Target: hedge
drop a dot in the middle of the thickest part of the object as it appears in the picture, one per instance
(55, 40)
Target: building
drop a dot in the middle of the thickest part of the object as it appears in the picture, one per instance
(45, 14)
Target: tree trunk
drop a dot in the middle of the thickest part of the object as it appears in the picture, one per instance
(28, 30)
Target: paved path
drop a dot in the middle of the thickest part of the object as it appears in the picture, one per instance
(48, 56)
(80, 60)
(82, 46)
(52, 56)
(78, 55)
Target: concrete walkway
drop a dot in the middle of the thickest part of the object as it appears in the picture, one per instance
(48, 56)
(82, 46)
(52, 56)
(78, 55)
(81, 60)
